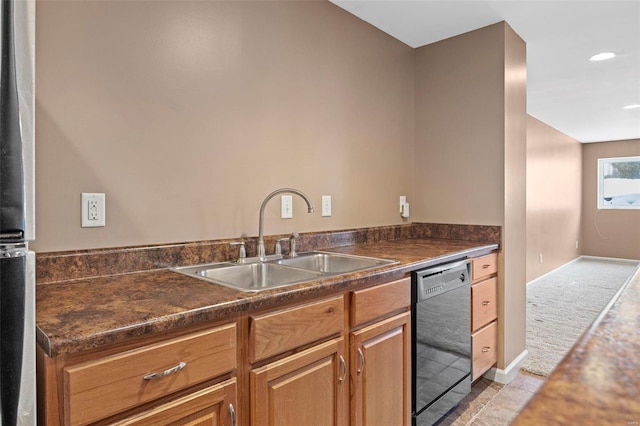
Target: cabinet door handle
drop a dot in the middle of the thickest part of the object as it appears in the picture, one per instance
(486, 349)
(485, 303)
(171, 370)
(361, 356)
(232, 414)
(344, 370)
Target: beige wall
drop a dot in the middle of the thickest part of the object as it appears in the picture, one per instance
(512, 293)
(554, 198)
(607, 233)
(459, 117)
(470, 152)
(187, 114)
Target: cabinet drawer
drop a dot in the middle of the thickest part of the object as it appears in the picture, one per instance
(99, 388)
(375, 302)
(484, 306)
(484, 266)
(485, 354)
(273, 333)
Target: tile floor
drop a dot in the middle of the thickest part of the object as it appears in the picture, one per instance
(494, 404)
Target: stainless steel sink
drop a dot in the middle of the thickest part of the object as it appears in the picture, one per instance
(250, 276)
(281, 272)
(333, 263)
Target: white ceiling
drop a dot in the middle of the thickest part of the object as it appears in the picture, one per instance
(582, 99)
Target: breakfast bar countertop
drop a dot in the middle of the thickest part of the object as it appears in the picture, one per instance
(598, 381)
(82, 314)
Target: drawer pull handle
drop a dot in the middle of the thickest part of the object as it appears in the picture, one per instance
(485, 303)
(486, 349)
(361, 356)
(232, 414)
(485, 266)
(344, 369)
(171, 370)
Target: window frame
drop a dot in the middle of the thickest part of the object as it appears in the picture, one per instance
(600, 177)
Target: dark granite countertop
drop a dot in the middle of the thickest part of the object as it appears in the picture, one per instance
(598, 381)
(82, 314)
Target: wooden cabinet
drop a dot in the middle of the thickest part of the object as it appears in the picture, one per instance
(307, 388)
(212, 406)
(127, 379)
(172, 381)
(380, 355)
(381, 373)
(484, 313)
(337, 360)
(319, 384)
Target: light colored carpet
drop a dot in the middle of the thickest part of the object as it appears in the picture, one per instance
(564, 303)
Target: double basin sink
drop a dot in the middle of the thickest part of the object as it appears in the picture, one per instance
(280, 272)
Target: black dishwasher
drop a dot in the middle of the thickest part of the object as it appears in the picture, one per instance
(441, 340)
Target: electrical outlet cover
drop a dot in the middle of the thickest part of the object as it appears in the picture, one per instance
(93, 210)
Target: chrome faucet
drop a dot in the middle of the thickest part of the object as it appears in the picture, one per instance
(261, 253)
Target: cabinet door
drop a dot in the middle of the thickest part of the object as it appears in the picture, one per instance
(212, 406)
(381, 372)
(307, 388)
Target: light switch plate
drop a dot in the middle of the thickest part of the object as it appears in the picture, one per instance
(326, 205)
(286, 207)
(93, 210)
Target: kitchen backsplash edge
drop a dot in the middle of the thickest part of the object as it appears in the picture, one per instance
(81, 264)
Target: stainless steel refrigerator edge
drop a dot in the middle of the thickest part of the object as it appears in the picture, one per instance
(23, 38)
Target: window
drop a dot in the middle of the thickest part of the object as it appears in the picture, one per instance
(619, 183)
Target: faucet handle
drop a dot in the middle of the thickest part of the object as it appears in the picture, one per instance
(292, 244)
(242, 254)
(278, 249)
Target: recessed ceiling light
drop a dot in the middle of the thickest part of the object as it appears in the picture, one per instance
(631, 106)
(602, 56)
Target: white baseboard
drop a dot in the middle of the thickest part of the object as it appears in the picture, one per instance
(554, 270)
(616, 259)
(508, 374)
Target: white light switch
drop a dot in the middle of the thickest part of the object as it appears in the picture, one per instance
(93, 210)
(286, 207)
(326, 205)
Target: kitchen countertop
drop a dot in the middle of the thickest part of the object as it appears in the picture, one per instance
(82, 314)
(598, 381)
